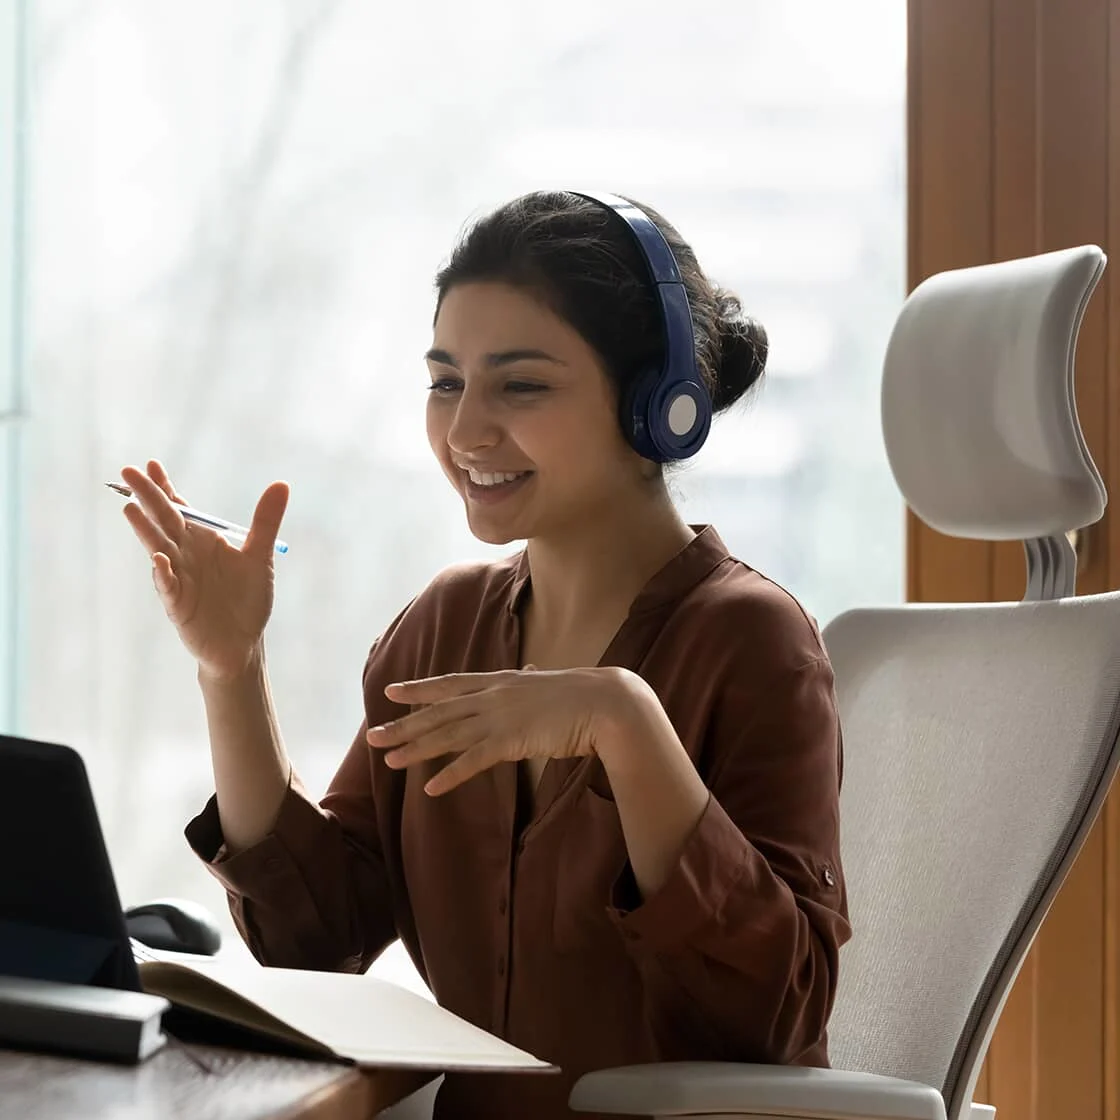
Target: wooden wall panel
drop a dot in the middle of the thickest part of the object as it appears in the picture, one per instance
(1108, 541)
(1014, 123)
(1014, 135)
(1068, 1007)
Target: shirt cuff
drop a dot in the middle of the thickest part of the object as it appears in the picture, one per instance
(715, 857)
(297, 827)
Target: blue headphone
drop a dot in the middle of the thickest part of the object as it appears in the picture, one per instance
(666, 413)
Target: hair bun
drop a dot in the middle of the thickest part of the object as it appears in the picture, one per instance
(743, 347)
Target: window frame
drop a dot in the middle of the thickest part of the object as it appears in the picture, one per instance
(13, 382)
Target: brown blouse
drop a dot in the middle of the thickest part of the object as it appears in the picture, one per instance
(535, 930)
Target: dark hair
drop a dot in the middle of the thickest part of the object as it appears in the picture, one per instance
(581, 261)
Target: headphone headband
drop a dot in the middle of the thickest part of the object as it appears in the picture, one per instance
(663, 267)
(666, 413)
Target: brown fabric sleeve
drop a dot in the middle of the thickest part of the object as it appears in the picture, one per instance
(740, 945)
(311, 894)
(315, 893)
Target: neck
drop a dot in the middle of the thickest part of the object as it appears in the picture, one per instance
(597, 573)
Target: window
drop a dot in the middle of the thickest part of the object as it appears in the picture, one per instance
(12, 227)
(239, 211)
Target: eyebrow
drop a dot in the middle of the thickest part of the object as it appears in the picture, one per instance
(502, 358)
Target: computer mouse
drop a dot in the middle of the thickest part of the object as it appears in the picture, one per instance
(174, 923)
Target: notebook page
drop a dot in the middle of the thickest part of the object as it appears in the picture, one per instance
(366, 1019)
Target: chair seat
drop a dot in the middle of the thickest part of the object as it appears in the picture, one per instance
(730, 1089)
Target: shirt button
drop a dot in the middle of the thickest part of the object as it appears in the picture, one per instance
(829, 878)
(502, 904)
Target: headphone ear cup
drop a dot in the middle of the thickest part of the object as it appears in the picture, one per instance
(679, 418)
(635, 414)
(647, 417)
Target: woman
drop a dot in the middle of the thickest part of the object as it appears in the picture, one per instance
(595, 791)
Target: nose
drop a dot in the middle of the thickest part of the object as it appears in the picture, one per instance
(473, 426)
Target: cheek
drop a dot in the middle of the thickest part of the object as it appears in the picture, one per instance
(582, 451)
(435, 422)
(598, 436)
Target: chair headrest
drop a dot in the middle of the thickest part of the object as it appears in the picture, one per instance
(978, 410)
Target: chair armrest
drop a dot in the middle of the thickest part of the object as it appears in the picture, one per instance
(732, 1089)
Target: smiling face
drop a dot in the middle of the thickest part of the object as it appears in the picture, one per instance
(522, 418)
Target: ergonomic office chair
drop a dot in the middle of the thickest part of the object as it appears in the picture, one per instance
(980, 739)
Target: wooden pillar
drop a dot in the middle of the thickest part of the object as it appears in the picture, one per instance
(1014, 148)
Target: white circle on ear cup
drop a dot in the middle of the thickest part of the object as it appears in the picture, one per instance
(682, 415)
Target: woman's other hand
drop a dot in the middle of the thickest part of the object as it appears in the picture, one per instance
(480, 719)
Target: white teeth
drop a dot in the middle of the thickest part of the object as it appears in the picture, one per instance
(488, 479)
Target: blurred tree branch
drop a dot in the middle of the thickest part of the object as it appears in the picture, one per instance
(237, 206)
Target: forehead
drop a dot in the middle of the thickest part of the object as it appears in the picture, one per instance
(485, 316)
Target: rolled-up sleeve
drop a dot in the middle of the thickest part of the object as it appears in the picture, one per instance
(314, 892)
(739, 946)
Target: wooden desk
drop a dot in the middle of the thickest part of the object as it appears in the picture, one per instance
(237, 1086)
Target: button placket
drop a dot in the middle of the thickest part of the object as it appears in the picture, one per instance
(504, 942)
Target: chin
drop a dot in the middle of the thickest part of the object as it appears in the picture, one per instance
(496, 538)
(492, 534)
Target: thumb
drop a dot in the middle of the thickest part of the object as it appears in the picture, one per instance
(265, 526)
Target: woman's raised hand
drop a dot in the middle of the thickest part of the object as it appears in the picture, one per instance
(218, 595)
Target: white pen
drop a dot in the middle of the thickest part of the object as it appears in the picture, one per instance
(228, 529)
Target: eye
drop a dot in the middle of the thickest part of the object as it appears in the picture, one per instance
(445, 386)
(524, 387)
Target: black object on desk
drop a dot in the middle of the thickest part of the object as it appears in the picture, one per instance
(60, 913)
(174, 923)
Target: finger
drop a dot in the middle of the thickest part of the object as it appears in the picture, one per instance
(160, 477)
(409, 728)
(432, 689)
(453, 739)
(164, 577)
(466, 766)
(151, 536)
(265, 526)
(155, 503)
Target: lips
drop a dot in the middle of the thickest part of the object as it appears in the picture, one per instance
(483, 493)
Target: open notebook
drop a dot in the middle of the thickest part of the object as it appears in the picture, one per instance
(359, 1019)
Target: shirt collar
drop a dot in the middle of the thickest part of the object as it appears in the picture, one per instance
(669, 584)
